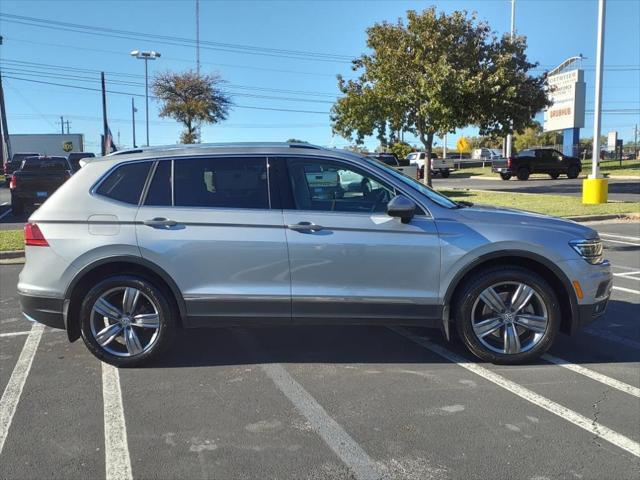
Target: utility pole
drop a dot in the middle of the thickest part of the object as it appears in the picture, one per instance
(198, 37)
(67, 122)
(133, 121)
(61, 124)
(508, 148)
(635, 142)
(5, 151)
(105, 125)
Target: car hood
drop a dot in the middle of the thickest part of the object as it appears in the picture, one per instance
(490, 214)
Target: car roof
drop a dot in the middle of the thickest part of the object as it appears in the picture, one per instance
(200, 149)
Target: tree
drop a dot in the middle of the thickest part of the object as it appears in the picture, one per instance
(401, 149)
(435, 74)
(295, 140)
(191, 99)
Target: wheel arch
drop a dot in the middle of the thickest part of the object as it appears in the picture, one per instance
(543, 267)
(98, 269)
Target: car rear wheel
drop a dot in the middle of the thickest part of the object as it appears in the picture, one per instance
(507, 315)
(505, 176)
(126, 321)
(523, 173)
(573, 172)
(17, 206)
(554, 175)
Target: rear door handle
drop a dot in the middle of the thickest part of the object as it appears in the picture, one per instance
(160, 222)
(305, 227)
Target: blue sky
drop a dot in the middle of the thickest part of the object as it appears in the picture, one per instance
(555, 29)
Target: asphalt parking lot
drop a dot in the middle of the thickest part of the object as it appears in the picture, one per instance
(327, 402)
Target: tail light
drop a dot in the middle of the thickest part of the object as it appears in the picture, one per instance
(509, 162)
(13, 183)
(33, 236)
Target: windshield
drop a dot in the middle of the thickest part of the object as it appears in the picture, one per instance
(32, 164)
(429, 192)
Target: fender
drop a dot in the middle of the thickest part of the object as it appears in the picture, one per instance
(573, 302)
(129, 259)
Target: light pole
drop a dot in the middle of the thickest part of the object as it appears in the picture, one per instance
(509, 142)
(146, 56)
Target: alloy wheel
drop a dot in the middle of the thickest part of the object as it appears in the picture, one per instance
(509, 318)
(125, 322)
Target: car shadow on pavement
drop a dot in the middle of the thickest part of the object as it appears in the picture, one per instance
(376, 345)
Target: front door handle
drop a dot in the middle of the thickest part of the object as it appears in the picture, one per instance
(160, 222)
(305, 227)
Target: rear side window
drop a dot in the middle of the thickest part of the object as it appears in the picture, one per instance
(223, 182)
(159, 193)
(125, 183)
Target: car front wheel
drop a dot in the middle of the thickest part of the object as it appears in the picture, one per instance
(126, 321)
(507, 315)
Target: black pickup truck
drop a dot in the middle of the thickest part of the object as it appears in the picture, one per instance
(36, 179)
(14, 164)
(537, 160)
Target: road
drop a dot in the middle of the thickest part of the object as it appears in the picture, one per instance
(619, 190)
(327, 402)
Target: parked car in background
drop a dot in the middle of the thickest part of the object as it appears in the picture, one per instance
(486, 154)
(75, 157)
(393, 161)
(14, 164)
(442, 166)
(135, 246)
(537, 160)
(36, 179)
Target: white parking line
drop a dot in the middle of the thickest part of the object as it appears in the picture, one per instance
(623, 237)
(621, 242)
(5, 214)
(14, 334)
(628, 274)
(612, 337)
(345, 447)
(598, 377)
(581, 421)
(3, 204)
(13, 390)
(626, 290)
(116, 448)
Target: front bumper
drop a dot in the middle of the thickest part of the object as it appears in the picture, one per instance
(588, 313)
(45, 310)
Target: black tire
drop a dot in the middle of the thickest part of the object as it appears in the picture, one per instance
(468, 298)
(523, 173)
(444, 173)
(167, 315)
(554, 175)
(573, 171)
(17, 206)
(505, 176)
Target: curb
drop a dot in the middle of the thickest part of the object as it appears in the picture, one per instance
(598, 218)
(11, 254)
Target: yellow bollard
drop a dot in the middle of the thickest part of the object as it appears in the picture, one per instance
(595, 190)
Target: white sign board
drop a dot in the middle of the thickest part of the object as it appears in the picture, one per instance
(612, 138)
(567, 92)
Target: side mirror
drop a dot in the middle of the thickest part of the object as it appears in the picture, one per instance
(402, 208)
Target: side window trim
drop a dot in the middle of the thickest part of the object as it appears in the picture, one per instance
(147, 183)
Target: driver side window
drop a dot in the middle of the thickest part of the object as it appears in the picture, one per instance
(336, 187)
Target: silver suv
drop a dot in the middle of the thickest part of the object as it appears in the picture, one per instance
(135, 246)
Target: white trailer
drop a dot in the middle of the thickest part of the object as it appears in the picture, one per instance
(47, 143)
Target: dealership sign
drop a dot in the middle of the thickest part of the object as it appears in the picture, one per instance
(567, 92)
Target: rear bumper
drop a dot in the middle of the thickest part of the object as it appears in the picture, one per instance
(502, 170)
(46, 310)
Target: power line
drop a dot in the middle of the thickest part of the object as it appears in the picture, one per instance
(174, 40)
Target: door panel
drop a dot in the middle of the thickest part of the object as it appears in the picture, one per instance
(358, 264)
(229, 263)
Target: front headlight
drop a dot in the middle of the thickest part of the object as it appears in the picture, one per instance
(590, 250)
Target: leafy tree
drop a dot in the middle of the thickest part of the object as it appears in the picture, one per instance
(434, 74)
(401, 149)
(191, 99)
(295, 140)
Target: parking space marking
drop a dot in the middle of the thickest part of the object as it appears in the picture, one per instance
(621, 242)
(623, 237)
(13, 390)
(345, 447)
(626, 290)
(628, 275)
(612, 337)
(116, 448)
(5, 214)
(598, 377)
(581, 421)
(14, 334)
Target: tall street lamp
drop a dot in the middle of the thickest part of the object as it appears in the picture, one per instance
(146, 56)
